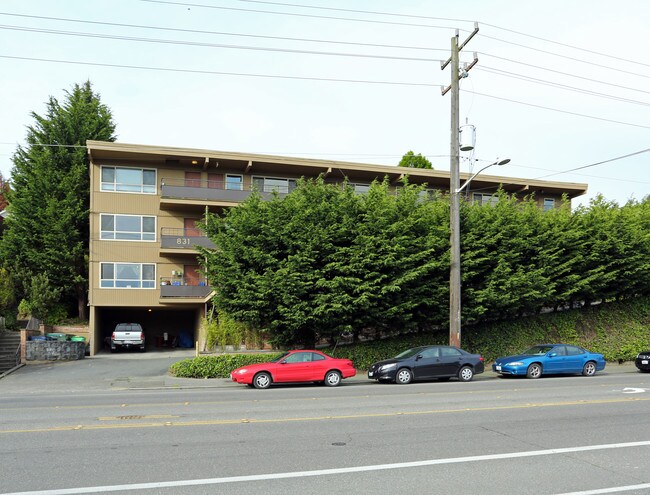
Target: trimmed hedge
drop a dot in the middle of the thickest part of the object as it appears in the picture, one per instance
(216, 366)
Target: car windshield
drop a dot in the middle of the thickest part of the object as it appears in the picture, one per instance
(279, 358)
(538, 350)
(409, 353)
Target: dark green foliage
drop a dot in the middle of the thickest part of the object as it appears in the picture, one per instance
(216, 366)
(47, 228)
(412, 160)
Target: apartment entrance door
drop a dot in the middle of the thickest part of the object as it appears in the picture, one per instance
(192, 275)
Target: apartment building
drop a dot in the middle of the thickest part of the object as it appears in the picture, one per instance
(145, 202)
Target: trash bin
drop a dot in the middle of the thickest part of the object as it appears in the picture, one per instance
(38, 337)
(77, 338)
(57, 336)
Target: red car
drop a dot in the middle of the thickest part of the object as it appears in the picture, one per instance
(295, 366)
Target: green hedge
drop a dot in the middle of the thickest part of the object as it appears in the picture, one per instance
(618, 330)
(216, 366)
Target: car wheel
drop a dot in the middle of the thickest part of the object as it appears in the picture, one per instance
(332, 378)
(589, 369)
(403, 376)
(262, 380)
(466, 374)
(534, 371)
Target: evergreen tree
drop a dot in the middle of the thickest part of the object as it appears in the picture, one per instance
(412, 160)
(48, 227)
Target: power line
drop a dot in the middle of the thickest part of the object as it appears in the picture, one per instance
(597, 163)
(222, 33)
(212, 45)
(294, 14)
(558, 110)
(565, 73)
(220, 73)
(513, 75)
(591, 176)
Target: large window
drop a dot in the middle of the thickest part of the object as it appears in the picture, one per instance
(135, 180)
(268, 184)
(127, 227)
(127, 275)
(549, 204)
(234, 182)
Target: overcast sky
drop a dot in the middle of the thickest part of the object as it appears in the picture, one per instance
(559, 85)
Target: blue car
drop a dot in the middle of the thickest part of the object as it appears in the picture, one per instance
(550, 359)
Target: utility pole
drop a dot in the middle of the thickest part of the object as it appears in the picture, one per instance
(454, 184)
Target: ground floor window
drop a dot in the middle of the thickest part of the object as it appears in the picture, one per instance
(128, 275)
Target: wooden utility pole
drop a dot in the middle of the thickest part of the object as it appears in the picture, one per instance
(454, 185)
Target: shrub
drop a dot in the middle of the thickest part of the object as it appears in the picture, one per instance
(216, 366)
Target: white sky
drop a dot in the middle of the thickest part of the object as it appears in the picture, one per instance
(191, 105)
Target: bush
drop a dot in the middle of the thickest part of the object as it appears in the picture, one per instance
(216, 366)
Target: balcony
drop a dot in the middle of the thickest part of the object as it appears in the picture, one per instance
(184, 290)
(201, 192)
(183, 240)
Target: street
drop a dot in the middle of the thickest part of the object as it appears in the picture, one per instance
(555, 435)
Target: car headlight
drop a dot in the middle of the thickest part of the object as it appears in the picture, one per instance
(515, 363)
(239, 371)
(387, 367)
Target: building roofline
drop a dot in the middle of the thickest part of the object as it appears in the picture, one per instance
(112, 150)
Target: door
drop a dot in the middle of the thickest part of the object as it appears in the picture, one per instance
(449, 361)
(295, 368)
(427, 363)
(190, 229)
(557, 362)
(575, 359)
(192, 275)
(215, 181)
(193, 179)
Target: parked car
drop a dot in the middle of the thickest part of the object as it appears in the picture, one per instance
(294, 367)
(642, 361)
(424, 363)
(127, 335)
(550, 359)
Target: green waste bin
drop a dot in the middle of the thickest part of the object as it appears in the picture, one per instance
(61, 337)
(77, 338)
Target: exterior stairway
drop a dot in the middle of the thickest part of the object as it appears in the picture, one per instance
(9, 343)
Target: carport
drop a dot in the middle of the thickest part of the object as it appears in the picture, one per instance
(156, 322)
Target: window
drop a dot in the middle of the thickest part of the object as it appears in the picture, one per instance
(449, 352)
(432, 352)
(574, 351)
(127, 227)
(361, 188)
(234, 182)
(268, 184)
(127, 275)
(299, 357)
(135, 180)
(549, 204)
(485, 199)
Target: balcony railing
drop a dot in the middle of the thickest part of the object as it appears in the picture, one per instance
(184, 287)
(205, 190)
(184, 239)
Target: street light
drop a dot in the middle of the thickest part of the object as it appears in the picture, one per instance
(454, 267)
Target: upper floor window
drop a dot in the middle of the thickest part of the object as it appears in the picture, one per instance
(361, 188)
(127, 275)
(127, 227)
(269, 184)
(485, 199)
(549, 204)
(136, 180)
(234, 182)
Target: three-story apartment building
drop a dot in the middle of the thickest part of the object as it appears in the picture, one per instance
(145, 202)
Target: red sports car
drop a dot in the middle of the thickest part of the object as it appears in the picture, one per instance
(295, 366)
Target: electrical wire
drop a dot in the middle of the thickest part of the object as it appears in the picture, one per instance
(543, 82)
(594, 164)
(211, 45)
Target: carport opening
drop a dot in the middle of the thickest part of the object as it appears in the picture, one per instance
(164, 329)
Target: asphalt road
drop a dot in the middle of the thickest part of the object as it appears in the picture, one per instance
(119, 424)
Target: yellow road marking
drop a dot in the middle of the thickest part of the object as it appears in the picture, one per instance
(216, 422)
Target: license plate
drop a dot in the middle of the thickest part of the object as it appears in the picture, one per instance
(645, 361)
(498, 368)
(370, 373)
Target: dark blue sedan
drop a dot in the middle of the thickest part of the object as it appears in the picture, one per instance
(550, 359)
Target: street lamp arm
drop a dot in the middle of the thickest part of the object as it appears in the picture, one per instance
(498, 162)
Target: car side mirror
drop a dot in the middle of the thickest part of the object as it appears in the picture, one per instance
(283, 362)
(418, 357)
(552, 354)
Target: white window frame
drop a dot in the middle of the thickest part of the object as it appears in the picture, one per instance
(140, 188)
(234, 186)
(151, 283)
(550, 205)
(116, 232)
(360, 187)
